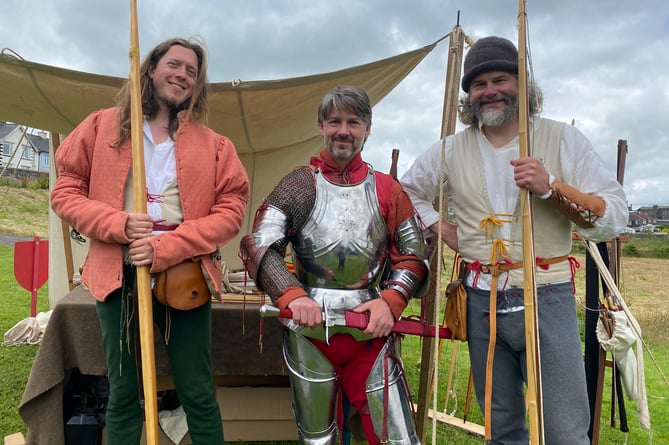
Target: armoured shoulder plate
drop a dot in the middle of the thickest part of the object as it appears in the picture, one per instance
(410, 239)
(269, 226)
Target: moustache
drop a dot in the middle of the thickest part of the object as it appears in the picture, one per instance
(497, 98)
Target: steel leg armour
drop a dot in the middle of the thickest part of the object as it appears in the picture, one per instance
(387, 377)
(313, 382)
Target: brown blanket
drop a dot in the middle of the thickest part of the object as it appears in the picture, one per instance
(72, 340)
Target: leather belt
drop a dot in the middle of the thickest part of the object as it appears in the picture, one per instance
(497, 269)
(158, 227)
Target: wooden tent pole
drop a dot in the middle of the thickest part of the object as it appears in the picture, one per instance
(428, 367)
(65, 229)
(533, 395)
(144, 296)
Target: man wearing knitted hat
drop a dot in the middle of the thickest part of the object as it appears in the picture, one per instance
(570, 186)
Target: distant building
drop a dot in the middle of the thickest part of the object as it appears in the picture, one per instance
(654, 214)
(637, 220)
(23, 151)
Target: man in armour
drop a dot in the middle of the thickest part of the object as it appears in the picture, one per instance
(339, 206)
(483, 173)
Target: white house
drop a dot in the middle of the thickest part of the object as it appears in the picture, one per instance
(23, 150)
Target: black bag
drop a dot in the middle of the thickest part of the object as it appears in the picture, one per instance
(84, 405)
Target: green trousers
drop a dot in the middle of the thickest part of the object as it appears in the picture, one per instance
(189, 353)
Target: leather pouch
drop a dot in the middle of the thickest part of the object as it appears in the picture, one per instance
(456, 307)
(182, 286)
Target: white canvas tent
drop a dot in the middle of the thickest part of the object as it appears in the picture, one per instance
(272, 123)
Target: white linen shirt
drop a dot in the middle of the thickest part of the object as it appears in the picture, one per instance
(582, 168)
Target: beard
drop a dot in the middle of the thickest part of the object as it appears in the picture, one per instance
(347, 155)
(161, 99)
(497, 118)
(172, 103)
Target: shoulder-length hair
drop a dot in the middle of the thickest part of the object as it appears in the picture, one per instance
(196, 106)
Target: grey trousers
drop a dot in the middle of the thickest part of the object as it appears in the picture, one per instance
(565, 401)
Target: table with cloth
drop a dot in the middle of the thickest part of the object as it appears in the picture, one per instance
(72, 341)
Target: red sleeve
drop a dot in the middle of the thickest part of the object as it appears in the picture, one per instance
(79, 196)
(400, 209)
(289, 294)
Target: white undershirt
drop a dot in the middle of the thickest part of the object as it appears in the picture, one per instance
(160, 166)
(501, 187)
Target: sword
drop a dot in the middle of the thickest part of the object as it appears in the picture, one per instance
(360, 320)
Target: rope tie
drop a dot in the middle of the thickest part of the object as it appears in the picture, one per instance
(168, 324)
(127, 314)
(476, 267)
(154, 197)
(488, 224)
(573, 265)
(499, 250)
(261, 328)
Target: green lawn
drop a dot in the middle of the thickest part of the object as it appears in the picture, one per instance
(15, 361)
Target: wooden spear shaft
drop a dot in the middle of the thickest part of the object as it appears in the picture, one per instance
(144, 297)
(533, 396)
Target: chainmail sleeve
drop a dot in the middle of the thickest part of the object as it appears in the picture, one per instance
(295, 196)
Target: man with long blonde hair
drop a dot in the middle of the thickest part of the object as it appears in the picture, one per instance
(196, 190)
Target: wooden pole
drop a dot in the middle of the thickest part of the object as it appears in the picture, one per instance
(145, 311)
(428, 369)
(533, 395)
(595, 355)
(64, 228)
(394, 157)
(616, 253)
(614, 269)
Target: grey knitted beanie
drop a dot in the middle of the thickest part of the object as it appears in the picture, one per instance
(489, 54)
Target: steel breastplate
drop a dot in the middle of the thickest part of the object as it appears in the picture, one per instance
(344, 243)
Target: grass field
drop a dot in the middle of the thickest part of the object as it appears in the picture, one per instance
(643, 284)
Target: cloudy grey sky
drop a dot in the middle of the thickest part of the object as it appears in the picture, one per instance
(602, 64)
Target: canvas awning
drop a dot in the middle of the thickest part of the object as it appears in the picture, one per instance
(272, 123)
